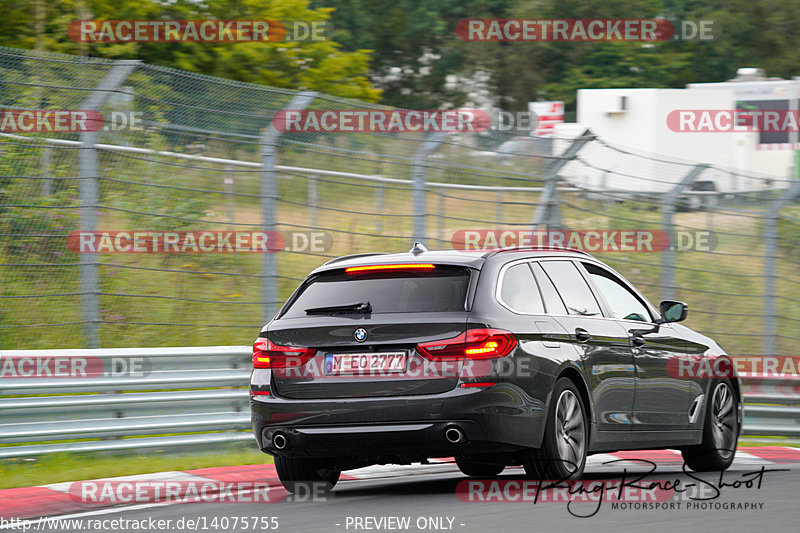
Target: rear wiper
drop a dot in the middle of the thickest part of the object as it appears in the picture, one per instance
(360, 307)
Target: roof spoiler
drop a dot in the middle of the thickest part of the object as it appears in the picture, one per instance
(533, 249)
(352, 256)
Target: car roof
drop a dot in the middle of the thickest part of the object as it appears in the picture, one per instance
(467, 258)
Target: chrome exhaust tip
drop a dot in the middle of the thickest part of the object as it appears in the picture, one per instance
(279, 441)
(454, 435)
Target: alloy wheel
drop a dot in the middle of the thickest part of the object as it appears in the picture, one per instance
(570, 430)
(723, 419)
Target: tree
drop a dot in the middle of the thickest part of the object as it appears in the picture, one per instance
(414, 46)
(304, 65)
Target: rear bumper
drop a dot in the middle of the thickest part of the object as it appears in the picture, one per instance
(417, 440)
(496, 419)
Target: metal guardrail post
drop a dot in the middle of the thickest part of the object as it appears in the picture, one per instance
(668, 207)
(548, 212)
(269, 205)
(419, 171)
(770, 326)
(89, 198)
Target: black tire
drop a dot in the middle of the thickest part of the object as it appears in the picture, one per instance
(720, 431)
(566, 437)
(294, 472)
(476, 468)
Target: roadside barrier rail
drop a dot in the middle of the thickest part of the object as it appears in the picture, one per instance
(146, 398)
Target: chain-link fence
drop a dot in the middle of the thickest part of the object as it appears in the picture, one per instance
(208, 159)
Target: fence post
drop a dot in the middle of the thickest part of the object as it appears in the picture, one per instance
(227, 179)
(269, 206)
(378, 208)
(547, 210)
(419, 172)
(441, 213)
(770, 326)
(89, 199)
(499, 200)
(313, 198)
(46, 163)
(668, 207)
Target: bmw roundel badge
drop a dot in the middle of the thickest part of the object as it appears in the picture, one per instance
(360, 334)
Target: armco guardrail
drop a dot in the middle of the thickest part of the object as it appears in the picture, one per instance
(773, 405)
(141, 398)
(133, 398)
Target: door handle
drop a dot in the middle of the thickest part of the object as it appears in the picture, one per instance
(638, 340)
(582, 335)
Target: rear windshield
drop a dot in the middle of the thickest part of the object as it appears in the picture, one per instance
(438, 290)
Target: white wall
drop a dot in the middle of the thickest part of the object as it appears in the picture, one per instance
(768, 162)
(642, 130)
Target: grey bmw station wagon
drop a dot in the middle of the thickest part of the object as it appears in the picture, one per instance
(534, 357)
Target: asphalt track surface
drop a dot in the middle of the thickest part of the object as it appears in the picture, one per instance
(426, 495)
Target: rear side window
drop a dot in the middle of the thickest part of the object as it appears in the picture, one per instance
(574, 290)
(552, 300)
(441, 289)
(518, 290)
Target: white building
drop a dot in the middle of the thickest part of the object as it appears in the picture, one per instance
(645, 152)
(774, 151)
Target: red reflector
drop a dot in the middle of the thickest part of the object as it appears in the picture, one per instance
(401, 266)
(473, 344)
(484, 384)
(259, 392)
(267, 354)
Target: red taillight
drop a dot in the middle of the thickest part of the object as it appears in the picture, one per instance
(267, 354)
(401, 266)
(474, 344)
(478, 384)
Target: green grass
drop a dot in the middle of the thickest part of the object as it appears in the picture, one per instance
(56, 468)
(744, 443)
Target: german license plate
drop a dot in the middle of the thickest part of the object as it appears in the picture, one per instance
(365, 363)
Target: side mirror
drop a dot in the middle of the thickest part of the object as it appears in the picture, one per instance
(672, 311)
